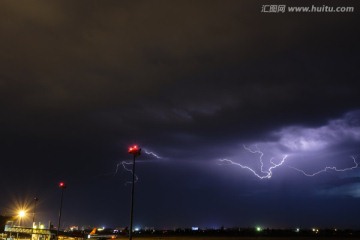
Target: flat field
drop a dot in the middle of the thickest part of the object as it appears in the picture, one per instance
(238, 238)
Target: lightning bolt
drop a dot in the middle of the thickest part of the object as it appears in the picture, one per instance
(329, 168)
(124, 166)
(265, 173)
(152, 154)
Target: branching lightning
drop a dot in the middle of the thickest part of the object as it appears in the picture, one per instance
(302, 142)
(329, 168)
(124, 165)
(265, 173)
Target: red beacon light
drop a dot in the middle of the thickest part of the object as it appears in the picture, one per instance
(62, 185)
(135, 150)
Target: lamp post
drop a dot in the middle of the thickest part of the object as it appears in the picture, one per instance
(35, 201)
(22, 214)
(62, 186)
(135, 151)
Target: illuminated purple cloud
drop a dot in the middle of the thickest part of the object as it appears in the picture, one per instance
(300, 139)
(350, 189)
(310, 151)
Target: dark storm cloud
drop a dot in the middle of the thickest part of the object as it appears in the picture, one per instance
(97, 51)
(191, 81)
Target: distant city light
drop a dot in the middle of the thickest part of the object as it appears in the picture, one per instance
(315, 230)
(258, 229)
(73, 228)
(195, 228)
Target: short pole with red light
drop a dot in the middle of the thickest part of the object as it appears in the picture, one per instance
(135, 151)
(62, 186)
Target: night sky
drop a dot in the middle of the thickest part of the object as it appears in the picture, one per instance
(212, 88)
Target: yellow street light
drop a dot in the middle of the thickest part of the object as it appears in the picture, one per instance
(21, 214)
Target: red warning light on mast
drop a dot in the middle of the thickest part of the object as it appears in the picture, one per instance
(134, 150)
(62, 185)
